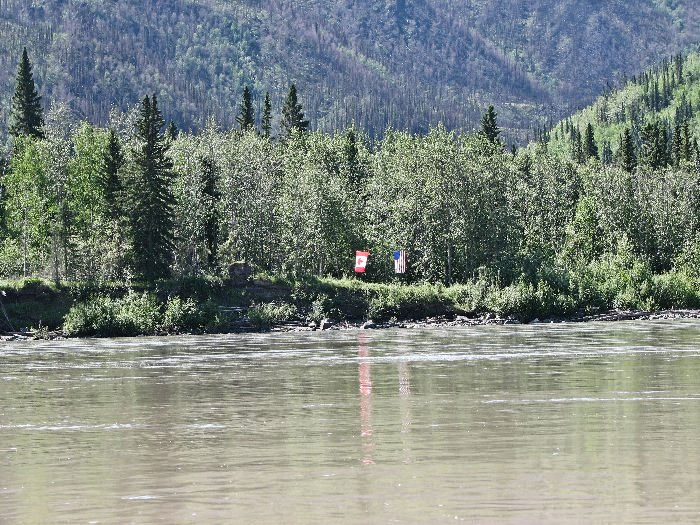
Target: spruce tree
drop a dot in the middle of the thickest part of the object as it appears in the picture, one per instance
(26, 116)
(489, 125)
(663, 147)
(292, 114)
(172, 132)
(687, 142)
(677, 147)
(211, 226)
(152, 198)
(4, 170)
(351, 158)
(607, 155)
(654, 146)
(266, 121)
(591, 149)
(246, 114)
(628, 157)
(577, 151)
(113, 160)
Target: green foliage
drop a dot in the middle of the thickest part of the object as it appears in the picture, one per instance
(26, 113)
(266, 119)
(688, 260)
(264, 315)
(407, 302)
(489, 125)
(140, 314)
(619, 280)
(246, 113)
(538, 232)
(676, 290)
(185, 315)
(97, 317)
(292, 114)
(151, 195)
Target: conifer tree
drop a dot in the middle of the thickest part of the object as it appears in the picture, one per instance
(591, 149)
(26, 116)
(607, 155)
(677, 145)
(489, 125)
(211, 227)
(4, 169)
(246, 114)
(577, 151)
(172, 132)
(266, 120)
(292, 114)
(113, 160)
(654, 146)
(151, 195)
(351, 154)
(628, 157)
(687, 142)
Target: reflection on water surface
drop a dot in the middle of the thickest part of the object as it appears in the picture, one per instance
(510, 424)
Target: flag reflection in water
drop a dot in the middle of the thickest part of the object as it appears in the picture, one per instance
(365, 383)
(365, 378)
(405, 407)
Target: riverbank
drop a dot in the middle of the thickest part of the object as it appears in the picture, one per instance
(41, 309)
(430, 322)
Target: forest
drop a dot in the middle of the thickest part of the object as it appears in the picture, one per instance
(404, 64)
(540, 230)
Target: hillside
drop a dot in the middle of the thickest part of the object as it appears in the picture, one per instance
(666, 96)
(402, 63)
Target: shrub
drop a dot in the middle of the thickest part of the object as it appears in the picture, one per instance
(183, 316)
(102, 316)
(96, 317)
(676, 290)
(264, 315)
(619, 280)
(472, 297)
(408, 302)
(142, 311)
(519, 299)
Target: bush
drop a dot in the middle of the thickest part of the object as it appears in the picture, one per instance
(183, 316)
(676, 290)
(408, 302)
(618, 280)
(519, 299)
(142, 311)
(97, 317)
(472, 297)
(140, 314)
(264, 315)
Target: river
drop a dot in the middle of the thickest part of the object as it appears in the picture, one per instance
(560, 423)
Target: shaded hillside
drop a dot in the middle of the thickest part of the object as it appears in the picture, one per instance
(402, 63)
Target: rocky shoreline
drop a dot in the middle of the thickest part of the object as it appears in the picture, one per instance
(487, 319)
(428, 322)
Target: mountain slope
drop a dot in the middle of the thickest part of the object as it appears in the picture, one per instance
(402, 63)
(667, 95)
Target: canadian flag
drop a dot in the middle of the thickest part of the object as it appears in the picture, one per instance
(361, 261)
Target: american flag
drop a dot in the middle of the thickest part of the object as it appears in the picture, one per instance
(400, 261)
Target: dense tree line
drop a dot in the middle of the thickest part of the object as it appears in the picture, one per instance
(79, 205)
(137, 200)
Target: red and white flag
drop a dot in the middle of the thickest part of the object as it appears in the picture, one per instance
(361, 261)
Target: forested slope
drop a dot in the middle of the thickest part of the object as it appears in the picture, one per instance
(659, 109)
(403, 63)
